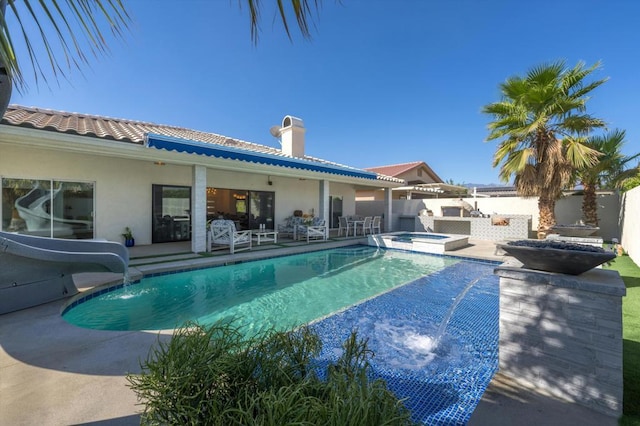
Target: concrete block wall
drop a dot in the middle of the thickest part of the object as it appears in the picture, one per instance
(568, 210)
(482, 228)
(562, 334)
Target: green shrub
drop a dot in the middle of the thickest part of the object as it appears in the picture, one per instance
(216, 376)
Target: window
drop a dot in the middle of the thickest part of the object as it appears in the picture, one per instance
(171, 213)
(48, 208)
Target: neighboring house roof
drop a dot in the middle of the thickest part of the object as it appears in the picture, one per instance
(398, 169)
(395, 169)
(136, 132)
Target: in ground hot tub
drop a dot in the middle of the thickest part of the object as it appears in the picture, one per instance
(425, 242)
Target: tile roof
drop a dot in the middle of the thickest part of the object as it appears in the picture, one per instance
(395, 169)
(132, 131)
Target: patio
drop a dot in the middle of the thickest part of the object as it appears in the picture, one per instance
(81, 376)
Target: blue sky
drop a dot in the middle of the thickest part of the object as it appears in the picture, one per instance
(381, 82)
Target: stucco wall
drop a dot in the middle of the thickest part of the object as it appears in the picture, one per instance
(568, 209)
(123, 187)
(629, 223)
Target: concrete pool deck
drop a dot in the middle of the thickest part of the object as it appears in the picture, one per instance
(54, 373)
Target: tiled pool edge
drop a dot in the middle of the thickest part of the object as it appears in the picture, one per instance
(425, 409)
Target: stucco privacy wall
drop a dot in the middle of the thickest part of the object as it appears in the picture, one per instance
(568, 209)
(123, 186)
(629, 223)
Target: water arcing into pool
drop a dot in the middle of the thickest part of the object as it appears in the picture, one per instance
(447, 317)
(416, 348)
(440, 382)
(126, 277)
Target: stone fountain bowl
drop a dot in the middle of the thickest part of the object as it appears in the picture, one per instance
(575, 230)
(557, 256)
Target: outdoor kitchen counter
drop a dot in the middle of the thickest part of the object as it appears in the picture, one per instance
(496, 228)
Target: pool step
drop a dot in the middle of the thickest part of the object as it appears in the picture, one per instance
(147, 260)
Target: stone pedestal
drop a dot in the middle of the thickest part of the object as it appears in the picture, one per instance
(562, 334)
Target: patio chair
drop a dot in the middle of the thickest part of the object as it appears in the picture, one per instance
(316, 231)
(365, 225)
(223, 232)
(343, 226)
(289, 225)
(375, 225)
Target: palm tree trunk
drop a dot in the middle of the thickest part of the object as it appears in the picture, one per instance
(589, 205)
(547, 213)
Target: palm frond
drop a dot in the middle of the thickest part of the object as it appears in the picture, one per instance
(580, 124)
(66, 30)
(619, 179)
(579, 155)
(546, 73)
(526, 182)
(302, 11)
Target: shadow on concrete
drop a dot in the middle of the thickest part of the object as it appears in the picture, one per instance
(118, 421)
(506, 403)
(40, 337)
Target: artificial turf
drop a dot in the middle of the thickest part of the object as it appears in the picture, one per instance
(630, 273)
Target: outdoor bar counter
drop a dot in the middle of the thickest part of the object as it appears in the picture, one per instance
(496, 227)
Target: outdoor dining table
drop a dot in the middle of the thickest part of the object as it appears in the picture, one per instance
(354, 224)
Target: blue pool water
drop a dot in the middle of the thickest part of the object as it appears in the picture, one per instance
(441, 377)
(279, 292)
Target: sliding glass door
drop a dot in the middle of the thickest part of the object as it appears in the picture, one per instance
(248, 209)
(171, 213)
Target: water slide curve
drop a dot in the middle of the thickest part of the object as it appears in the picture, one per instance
(36, 270)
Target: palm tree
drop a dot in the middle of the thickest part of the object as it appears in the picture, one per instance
(609, 172)
(543, 122)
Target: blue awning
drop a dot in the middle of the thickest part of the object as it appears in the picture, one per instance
(230, 153)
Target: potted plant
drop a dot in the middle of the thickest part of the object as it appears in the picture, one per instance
(129, 241)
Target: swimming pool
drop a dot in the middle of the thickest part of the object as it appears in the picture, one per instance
(279, 292)
(441, 371)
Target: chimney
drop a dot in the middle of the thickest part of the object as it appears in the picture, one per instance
(292, 136)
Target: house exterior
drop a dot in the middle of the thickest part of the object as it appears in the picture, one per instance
(421, 182)
(72, 175)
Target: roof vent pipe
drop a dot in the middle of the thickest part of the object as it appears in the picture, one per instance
(292, 136)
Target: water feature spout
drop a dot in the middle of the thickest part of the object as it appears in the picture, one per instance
(447, 317)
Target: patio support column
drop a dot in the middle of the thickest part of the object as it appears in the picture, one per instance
(323, 204)
(199, 210)
(388, 204)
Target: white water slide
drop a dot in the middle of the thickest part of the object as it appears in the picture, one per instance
(36, 270)
(34, 207)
